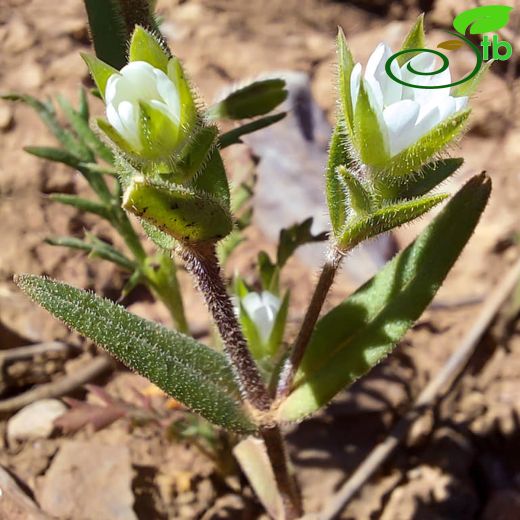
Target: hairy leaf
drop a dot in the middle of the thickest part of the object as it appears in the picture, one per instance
(362, 330)
(345, 66)
(233, 136)
(192, 373)
(255, 99)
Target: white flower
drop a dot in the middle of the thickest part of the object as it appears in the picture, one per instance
(141, 88)
(262, 308)
(405, 114)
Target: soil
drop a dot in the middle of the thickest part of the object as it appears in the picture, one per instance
(459, 462)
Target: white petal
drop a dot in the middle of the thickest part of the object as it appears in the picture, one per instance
(400, 121)
(114, 119)
(427, 120)
(461, 102)
(355, 80)
(168, 94)
(129, 115)
(272, 302)
(252, 302)
(376, 69)
(447, 107)
(375, 95)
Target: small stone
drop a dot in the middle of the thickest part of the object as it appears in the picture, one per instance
(89, 480)
(6, 117)
(35, 421)
(29, 76)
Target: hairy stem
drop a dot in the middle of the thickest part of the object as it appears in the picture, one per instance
(287, 487)
(328, 273)
(202, 263)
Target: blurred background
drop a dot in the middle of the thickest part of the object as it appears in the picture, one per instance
(460, 460)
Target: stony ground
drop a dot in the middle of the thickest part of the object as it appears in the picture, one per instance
(460, 462)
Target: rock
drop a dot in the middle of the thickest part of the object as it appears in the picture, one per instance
(89, 481)
(29, 76)
(14, 503)
(6, 117)
(35, 421)
(290, 188)
(19, 37)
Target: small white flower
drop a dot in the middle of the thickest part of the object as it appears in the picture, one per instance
(262, 308)
(139, 81)
(405, 114)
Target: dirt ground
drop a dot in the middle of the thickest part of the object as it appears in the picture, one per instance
(459, 462)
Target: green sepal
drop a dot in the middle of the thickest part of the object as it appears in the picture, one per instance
(255, 99)
(345, 66)
(361, 331)
(468, 88)
(359, 197)
(185, 215)
(251, 334)
(234, 136)
(195, 375)
(159, 135)
(415, 156)
(336, 200)
(145, 47)
(415, 39)
(368, 136)
(213, 179)
(269, 273)
(429, 177)
(176, 73)
(385, 219)
(114, 136)
(195, 155)
(99, 70)
(276, 336)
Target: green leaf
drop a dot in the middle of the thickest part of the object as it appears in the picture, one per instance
(336, 199)
(47, 114)
(345, 66)
(385, 219)
(450, 45)
(293, 237)
(415, 39)
(187, 216)
(428, 178)
(84, 109)
(114, 136)
(145, 47)
(95, 248)
(255, 99)
(364, 329)
(99, 70)
(82, 204)
(108, 30)
(192, 373)
(484, 19)
(368, 133)
(85, 133)
(234, 136)
(468, 88)
(53, 154)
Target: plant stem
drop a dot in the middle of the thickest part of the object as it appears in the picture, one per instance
(328, 273)
(285, 481)
(202, 263)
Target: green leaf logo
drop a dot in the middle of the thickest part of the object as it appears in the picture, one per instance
(450, 45)
(483, 19)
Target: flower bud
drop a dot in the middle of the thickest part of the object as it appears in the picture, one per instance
(150, 108)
